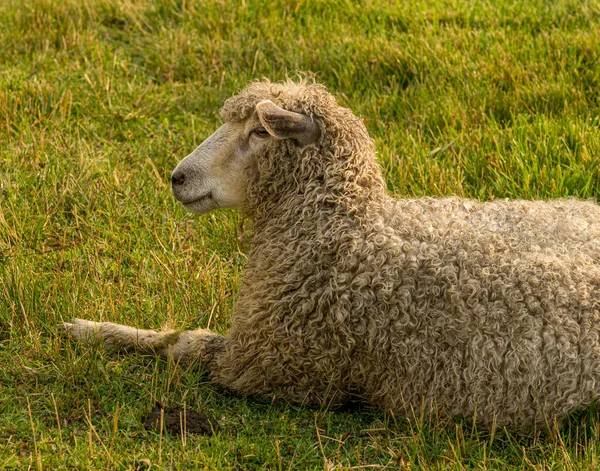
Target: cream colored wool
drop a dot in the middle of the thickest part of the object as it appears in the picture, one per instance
(455, 307)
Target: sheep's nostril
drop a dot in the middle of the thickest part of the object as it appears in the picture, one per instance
(178, 178)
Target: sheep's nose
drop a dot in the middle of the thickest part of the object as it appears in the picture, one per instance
(177, 178)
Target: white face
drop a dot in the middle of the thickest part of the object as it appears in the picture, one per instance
(213, 175)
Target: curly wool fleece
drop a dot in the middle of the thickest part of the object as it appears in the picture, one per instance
(447, 306)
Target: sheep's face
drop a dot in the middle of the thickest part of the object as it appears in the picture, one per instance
(215, 174)
(212, 176)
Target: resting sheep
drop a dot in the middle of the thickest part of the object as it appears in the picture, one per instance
(447, 306)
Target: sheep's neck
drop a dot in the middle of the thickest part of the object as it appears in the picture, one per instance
(319, 197)
(310, 206)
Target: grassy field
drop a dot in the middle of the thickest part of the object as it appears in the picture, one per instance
(99, 99)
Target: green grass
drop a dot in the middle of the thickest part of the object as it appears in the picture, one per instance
(99, 99)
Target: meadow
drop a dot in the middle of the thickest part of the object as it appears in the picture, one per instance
(99, 99)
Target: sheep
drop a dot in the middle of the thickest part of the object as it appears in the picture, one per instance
(439, 306)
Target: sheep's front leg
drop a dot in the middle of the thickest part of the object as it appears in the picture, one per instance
(201, 343)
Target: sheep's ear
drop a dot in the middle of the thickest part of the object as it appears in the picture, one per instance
(283, 124)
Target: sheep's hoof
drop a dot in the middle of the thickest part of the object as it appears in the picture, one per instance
(84, 331)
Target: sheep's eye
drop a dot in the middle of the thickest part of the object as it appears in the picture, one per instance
(260, 132)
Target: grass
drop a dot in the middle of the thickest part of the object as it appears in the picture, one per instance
(99, 99)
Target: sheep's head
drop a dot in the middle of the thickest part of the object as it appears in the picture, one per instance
(215, 174)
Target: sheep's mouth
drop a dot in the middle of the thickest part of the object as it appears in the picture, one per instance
(201, 199)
